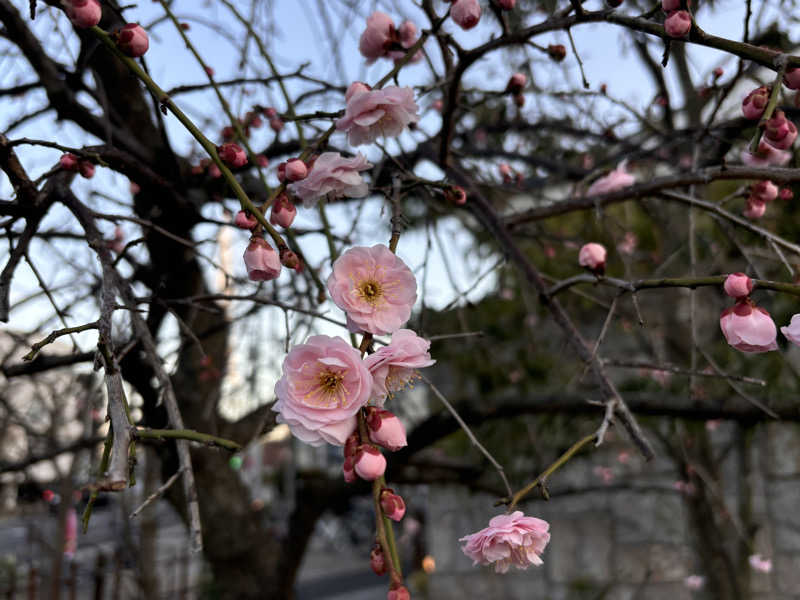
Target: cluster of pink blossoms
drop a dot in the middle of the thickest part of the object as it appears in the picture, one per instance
(381, 39)
(750, 328)
(779, 132)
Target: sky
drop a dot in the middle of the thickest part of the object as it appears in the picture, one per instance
(295, 33)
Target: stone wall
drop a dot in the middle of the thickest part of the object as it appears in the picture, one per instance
(632, 537)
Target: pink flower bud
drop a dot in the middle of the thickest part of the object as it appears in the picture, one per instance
(132, 40)
(377, 560)
(669, 5)
(245, 220)
(780, 132)
(505, 171)
(261, 260)
(357, 87)
(392, 504)
(456, 195)
(283, 211)
(738, 285)
(593, 257)
(276, 125)
(438, 105)
(786, 194)
(232, 154)
(507, 4)
(84, 13)
(465, 13)
(289, 259)
(755, 208)
(516, 82)
(557, 52)
(407, 33)
(228, 133)
(213, 171)
(369, 463)
(86, 169)
(254, 120)
(754, 103)
(399, 592)
(296, 170)
(792, 78)
(347, 470)
(765, 190)
(385, 429)
(678, 24)
(68, 162)
(209, 71)
(262, 161)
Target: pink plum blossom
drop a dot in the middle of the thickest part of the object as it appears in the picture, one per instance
(68, 162)
(369, 462)
(617, 179)
(792, 331)
(755, 102)
(678, 24)
(760, 563)
(748, 328)
(374, 287)
(398, 592)
(385, 429)
(323, 386)
(261, 260)
(792, 78)
(333, 176)
(764, 190)
(83, 13)
(755, 208)
(592, 256)
(508, 540)
(669, 5)
(376, 37)
(765, 156)
(395, 365)
(465, 13)
(779, 131)
(370, 114)
(86, 169)
(245, 220)
(232, 154)
(738, 285)
(132, 40)
(295, 169)
(516, 83)
(392, 504)
(283, 211)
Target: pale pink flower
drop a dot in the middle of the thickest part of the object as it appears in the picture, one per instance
(262, 261)
(465, 13)
(374, 287)
(377, 36)
(765, 156)
(755, 208)
(748, 328)
(792, 330)
(760, 563)
(764, 190)
(738, 285)
(283, 211)
(592, 256)
(323, 386)
(695, 582)
(394, 366)
(617, 179)
(373, 113)
(678, 24)
(333, 176)
(508, 540)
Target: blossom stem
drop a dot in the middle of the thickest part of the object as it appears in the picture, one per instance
(165, 101)
(187, 434)
(771, 104)
(559, 462)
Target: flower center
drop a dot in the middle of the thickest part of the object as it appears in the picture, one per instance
(370, 291)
